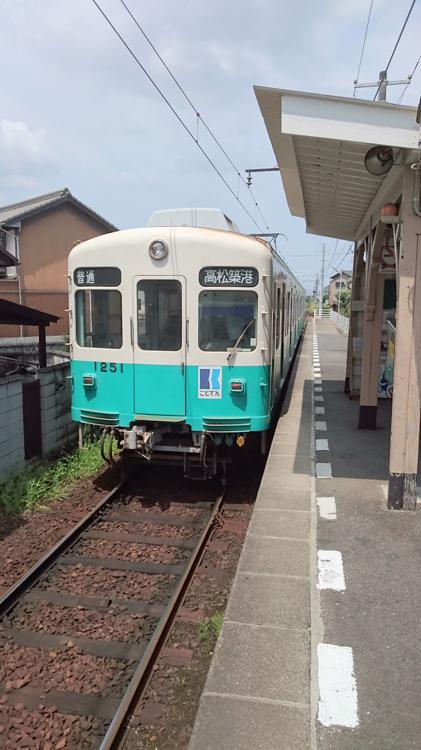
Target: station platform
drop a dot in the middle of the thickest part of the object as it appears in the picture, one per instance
(319, 645)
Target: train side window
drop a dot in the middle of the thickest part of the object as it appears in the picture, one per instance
(225, 318)
(159, 315)
(98, 318)
(278, 317)
(287, 316)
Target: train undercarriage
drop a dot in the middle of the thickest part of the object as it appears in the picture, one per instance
(202, 454)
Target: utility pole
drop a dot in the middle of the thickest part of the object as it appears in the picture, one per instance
(322, 281)
(381, 85)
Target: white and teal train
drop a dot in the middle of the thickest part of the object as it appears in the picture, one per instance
(182, 334)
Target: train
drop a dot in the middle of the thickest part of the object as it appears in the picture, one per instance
(182, 334)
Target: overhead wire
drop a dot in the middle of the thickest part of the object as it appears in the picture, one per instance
(363, 45)
(397, 43)
(175, 113)
(194, 108)
(409, 81)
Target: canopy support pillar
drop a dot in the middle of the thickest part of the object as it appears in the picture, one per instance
(404, 441)
(373, 313)
(358, 274)
(42, 346)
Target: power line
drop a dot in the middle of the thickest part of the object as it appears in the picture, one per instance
(194, 108)
(409, 81)
(175, 113)
(363, 47)
(397, 43)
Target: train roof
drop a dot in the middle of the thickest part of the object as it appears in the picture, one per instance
(129, 238)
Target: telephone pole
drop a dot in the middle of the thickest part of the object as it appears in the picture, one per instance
(322, 281)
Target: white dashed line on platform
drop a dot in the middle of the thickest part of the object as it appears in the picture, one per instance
(318, 382)
(323, 470)
(327, 508)
(319, 398)
(331, 570)
(338, 703)
(319, 410)
(322, 444)
(318, 389)
(321, 426)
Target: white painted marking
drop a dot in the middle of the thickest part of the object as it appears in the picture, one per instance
(319, 410)
(323, 470)
(338, 702)
(327, 508)
(318, 389)
(322, 444)
(316, 373)
(318, 382)
(319, 398)
(320, 426)
(331, 570)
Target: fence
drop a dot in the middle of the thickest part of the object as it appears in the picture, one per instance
(35, 417)
(340, 321)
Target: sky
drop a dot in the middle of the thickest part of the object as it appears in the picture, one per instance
(78, 112)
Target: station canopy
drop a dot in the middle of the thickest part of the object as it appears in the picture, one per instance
(320, 143)
(11, 313)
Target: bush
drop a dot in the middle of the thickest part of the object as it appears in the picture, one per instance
(35, 485)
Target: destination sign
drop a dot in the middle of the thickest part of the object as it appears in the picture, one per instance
(97, 276)
(228, 276)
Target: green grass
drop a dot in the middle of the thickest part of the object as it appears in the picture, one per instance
(37, 484)
(210, 627)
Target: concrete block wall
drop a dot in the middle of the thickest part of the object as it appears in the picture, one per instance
(56, 421)
(12, 452)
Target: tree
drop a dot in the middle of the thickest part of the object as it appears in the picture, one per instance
(343, 299)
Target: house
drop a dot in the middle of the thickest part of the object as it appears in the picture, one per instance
(338, 282)
(37, 235)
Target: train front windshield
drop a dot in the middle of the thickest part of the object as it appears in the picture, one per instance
(226, 316)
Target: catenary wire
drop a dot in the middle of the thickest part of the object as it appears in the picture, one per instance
(409, 82)
(397, 42)
(194, 108)
(175, 113)
(364, 41)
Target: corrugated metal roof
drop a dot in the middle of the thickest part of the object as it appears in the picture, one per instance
(25, 209)
(320, 143)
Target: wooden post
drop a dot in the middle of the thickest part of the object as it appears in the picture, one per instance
(373, 313)
(42, 346)
(373, 317)
(404, 441)
(357, 271)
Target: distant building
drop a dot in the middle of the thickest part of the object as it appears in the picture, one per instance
(339, 280)
(39, 233)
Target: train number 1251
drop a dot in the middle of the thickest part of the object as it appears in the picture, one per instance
(109, 366)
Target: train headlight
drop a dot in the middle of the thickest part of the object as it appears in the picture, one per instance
(158, 250)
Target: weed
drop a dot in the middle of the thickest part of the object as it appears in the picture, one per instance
(210, 627)
(48, 480)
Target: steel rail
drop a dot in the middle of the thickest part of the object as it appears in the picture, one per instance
(14, 594)
(140, 680)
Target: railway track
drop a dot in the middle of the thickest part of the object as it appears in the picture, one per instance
(104, 599)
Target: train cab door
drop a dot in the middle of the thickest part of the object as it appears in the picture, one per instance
(159, 346)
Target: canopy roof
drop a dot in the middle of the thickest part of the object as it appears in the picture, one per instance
(320, 142)
(14, 314)
(6, 259)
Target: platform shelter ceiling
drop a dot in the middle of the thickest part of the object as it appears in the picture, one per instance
(320, 143)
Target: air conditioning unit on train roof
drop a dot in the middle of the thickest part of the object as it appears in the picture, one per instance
(209, 218)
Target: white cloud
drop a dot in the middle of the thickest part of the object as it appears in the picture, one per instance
(23, 152)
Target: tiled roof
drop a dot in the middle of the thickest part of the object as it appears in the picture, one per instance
(24, 209)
